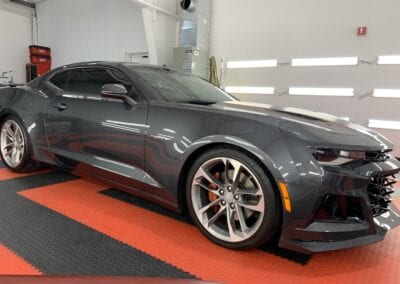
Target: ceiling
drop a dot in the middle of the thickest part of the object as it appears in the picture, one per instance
(28, 3)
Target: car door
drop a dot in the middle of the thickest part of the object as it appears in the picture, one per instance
(89, 133)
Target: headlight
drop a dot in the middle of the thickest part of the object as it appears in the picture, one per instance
(332, 157)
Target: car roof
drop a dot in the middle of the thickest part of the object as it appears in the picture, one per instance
(113, 64)
(110, 64)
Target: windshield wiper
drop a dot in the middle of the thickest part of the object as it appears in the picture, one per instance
(198, 102)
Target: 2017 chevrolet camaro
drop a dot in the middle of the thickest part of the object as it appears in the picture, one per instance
(246, 173)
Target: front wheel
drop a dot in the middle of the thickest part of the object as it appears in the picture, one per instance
(15, 148)
(231, 199)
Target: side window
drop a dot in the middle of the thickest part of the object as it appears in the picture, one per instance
(59, 80)
(91, 80)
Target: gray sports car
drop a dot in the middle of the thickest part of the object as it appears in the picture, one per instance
(246, 173)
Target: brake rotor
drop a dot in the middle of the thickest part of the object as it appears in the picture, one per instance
(212, 197)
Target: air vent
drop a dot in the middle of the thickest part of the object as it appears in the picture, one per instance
(187, 5)
(379, 191)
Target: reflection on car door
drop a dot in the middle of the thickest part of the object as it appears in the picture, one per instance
(89, 133)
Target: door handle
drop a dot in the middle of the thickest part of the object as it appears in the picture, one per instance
(61, 106)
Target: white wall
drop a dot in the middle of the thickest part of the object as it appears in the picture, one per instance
(160, 32)
(285, 29)
(15, 32)
(85, 30)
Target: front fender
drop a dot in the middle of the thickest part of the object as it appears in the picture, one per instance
(209, 141)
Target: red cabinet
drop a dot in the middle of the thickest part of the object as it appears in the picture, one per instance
(40, 57)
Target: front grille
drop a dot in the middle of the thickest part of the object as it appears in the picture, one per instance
(379, 191)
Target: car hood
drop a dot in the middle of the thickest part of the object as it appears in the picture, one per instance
(319, 129)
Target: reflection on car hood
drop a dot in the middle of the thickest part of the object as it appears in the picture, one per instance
(311, 123)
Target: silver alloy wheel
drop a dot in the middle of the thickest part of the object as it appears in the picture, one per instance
(12, 143)
(228, 199)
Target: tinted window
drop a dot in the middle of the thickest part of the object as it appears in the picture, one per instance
(90, 81)
(177, 87)
(60, 79)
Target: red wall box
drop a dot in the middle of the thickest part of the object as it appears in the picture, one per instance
(39, 50)
(35, 70)
(43, 68)
(39, 59)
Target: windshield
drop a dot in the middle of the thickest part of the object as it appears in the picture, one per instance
(173, 86)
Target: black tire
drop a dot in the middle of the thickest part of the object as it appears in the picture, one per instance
(272, 212)
(27, 164)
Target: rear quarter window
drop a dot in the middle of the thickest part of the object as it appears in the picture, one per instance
(60, 80)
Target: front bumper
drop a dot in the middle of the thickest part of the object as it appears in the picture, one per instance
(342, 236)
(341, 208)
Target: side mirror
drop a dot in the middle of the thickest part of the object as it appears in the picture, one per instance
(117, 92)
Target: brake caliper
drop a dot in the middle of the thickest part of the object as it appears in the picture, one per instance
(211, 196)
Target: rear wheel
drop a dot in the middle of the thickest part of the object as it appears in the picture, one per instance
(15, 148)
(231, 199)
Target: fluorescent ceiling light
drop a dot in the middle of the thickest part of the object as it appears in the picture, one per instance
(384, 124)
(252, 64)
(251, 90)
(333, 61)
(333, 92)
(386, 93)
(389, 59)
